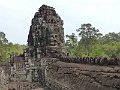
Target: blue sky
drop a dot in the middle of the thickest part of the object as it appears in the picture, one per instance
(16, 15)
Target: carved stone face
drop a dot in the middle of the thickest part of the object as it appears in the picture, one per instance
(53, 40)
(47, 31)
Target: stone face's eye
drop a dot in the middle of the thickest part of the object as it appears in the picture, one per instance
(56, 36)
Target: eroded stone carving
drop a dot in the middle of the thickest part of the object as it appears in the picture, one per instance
(43, 63)
(46, 36)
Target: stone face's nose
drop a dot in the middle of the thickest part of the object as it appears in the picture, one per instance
(46, 33)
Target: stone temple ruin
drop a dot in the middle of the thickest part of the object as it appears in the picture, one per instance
(45, 65)
(46, 36)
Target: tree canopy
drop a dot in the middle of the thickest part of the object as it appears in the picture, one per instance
(8, 48)
(92, 43)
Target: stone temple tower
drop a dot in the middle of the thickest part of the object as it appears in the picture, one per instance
(46, 35)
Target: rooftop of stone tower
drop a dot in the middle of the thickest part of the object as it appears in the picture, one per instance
(46, 7)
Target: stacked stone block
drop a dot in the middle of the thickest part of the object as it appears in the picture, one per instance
(46, 35)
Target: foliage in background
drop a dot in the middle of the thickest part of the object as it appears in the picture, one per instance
(8, 48)
(92, 43)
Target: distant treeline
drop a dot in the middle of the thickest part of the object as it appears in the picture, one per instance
(92, 43)
(8, 48)
(89, 43)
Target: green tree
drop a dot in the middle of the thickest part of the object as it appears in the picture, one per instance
(3, 39)
(72, 40)
(89, 36)
(71, 44)
(8, 48)
(110, 37)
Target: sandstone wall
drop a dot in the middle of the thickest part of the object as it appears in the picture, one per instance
(70, 76)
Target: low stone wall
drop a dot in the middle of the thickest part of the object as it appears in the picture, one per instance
(70, 76)
(56, 74)
(46, 79)
(90, 60)
(22, 85)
